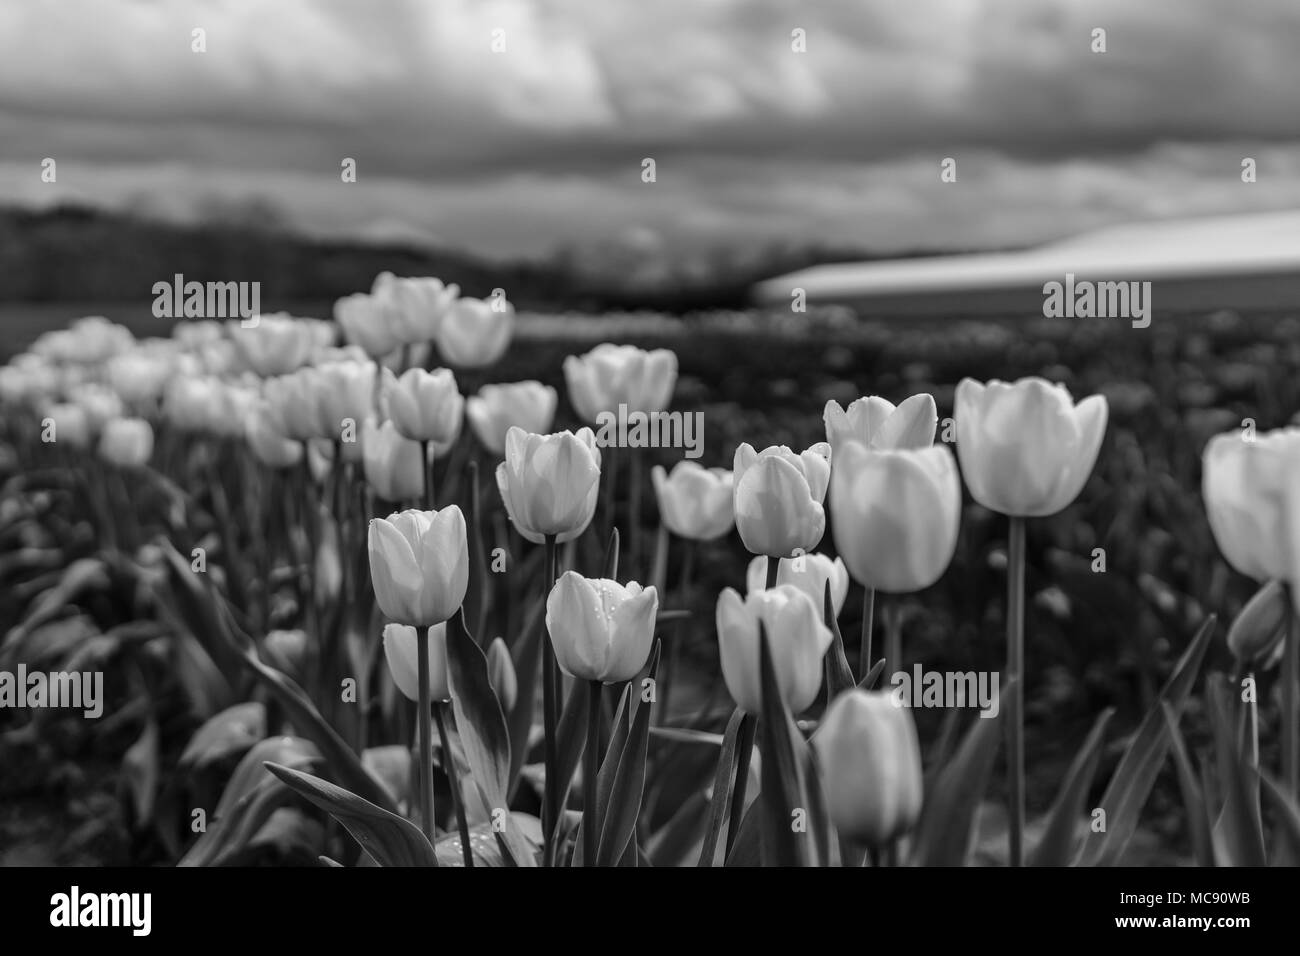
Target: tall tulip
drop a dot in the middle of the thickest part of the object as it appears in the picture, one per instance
(871, 760)
(549, 483)
(419, 565)
(612, 375)
(475, 333)
(497, 408)
(601, 630)
(694, 502)
(796, 634)
(778, 498)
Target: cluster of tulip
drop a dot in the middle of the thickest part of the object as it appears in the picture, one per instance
(375, 414)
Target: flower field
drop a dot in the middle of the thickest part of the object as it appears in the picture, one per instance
(415, 586)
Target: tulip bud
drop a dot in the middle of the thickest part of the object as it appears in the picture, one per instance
(419, 565)
(895, 514)
(796, 634)
(366, 321)
(809, 573)
(879, 425)
(126, 442)
(694, 502)
(1257, 632)
(425, 406)
(276, 345)
(1025, 448)
(550, 483)
(286, 651)
(268, 445)
(778, 498)
(501, 674)
(601, 630)
(394, 465)
(403, 656)
(475, 333)
(871, 762)
(612, 375)
(71, 425)
(496, 408)
(1246, 486)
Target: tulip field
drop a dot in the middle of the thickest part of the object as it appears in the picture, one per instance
(435, 583)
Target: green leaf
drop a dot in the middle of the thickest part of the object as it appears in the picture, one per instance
(391, 840)
(869, 679)
(1131, 783)
(946, 827)
(619, 823)
(1198, 821)
(483, 732)
(527, 654)
(1238, 835)
(839, 677)
(1057, 845)
(781, 774)
(724, 783)
(230, 732)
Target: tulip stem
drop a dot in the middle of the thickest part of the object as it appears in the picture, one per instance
(453, 778)
(590, 838)
(1015, 670)
(680, 630)
(426, 467)
(1290, 711)
(744, 751)
(773, 570)
(868, 620)
(551, 792)
(425, 741)
(893, 618)
(634, 478)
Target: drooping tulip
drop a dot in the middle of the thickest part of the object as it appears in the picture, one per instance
(695, 502)
(126, 442)
(497, 408)
(878, 424)
(550, 483)
(1026, 449)
(419, 565)
(601, 630)
(394, 465)
(895, 514)
(778, 498)
(401, 651)
(870, 760)
(809, 573)
(796, 634)
(425, 406)
(612, 375)
(475, 333)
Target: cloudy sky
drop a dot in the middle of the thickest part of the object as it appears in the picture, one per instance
(514, 151)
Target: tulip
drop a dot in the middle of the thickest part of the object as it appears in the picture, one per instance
(394, 465)
(418, 306)
(1257, 632)
(275, 345)
(870, 758)
(419, 564)
(192, 403)
(138, 377)
(501, 674)
(601, 630)
(401, 652)
(344, 397)
(1025, 448)
(126, 442)
(293, 401)
(549, 483)
(366, 321)
(809, 573)
(878, 424)
(797, 637)
(269, 446)
(496, 408)
(778, 498)
(895, 514)
(1244, 483)
(425, 406)
(612, 375)
(286, 651)
(475, 333)
(694, 502)
(72, 425)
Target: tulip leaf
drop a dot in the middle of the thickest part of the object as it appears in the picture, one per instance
(747, 848)
(781, 771)
(839, 677)
(724, 781)
(688, 735)
(571, 736)
(1133, 778)
(1287, 813)
(1056, 847)
(1198, 821)
(1238, 834)
(618, 828)
(671, 843)
(946, 827)
(608, 766)
(483, 733)
(868, 681)
(611, 557)
(343, 763)
(527, 655)
(391, 840)
(230, 732)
